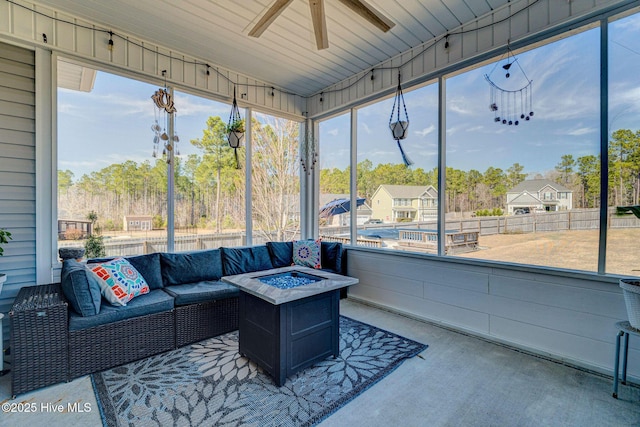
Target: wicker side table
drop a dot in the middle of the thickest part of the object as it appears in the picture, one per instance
(39, 338)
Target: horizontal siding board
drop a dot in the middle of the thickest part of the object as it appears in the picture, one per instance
(19, 179)
(10, 67)
(15, 137)
(456, 297)
(10, 262)
(12, 151)
(608, 304)
(598, 284)
(394, 284)
(18, 220)
(17, 95)
(18, 54)
(565, 345)
(468, 277)
(17, 207)
(18, 82)
(587, 325)
(20, 124)
(16, 165)
(16, 193)
(429, 310)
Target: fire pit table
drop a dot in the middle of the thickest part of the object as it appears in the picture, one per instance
(289, 317)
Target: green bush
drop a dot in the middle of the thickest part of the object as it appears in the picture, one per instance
(94, 247)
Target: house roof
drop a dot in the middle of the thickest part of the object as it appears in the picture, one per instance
(525, 199)
(535, 185)
(405, 191)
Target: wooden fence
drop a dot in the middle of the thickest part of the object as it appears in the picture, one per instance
(577, 219)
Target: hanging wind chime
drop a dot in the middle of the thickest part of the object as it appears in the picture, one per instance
(510, 106)
(308, 153)
(235, 128)
(164, 106)
(399, 125)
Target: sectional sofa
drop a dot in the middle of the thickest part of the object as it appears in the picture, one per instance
(64, 330)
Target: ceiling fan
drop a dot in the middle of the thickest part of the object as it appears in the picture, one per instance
(319, 22)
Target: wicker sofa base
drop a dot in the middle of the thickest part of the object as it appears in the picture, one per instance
(196, 322)
(96, 349)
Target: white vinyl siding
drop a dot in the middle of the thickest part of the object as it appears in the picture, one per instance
(17, 172)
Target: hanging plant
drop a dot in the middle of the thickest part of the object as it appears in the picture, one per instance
(399, 125)
(235, 128)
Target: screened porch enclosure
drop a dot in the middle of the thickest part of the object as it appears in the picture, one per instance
(446, 239)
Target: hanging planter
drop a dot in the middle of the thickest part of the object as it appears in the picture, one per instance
(235, 128)
(399, 129)
(399, 124)
(631, 293)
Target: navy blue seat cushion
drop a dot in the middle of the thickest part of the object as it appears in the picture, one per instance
(147, 265)
(281, 253)
(245, 260)
(190, 267)
(331, 256)
(155, 301)
(80, 287)
(193, 293)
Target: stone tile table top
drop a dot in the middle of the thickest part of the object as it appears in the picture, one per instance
(250, 283)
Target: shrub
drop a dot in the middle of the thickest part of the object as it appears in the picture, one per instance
(94, 247)
(73, 234)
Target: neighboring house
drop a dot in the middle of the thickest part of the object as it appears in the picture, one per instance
(138, 222)
(393, 203)
(73, 229)
(539, 194)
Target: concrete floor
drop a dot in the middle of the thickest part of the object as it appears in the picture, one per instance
(458, 381)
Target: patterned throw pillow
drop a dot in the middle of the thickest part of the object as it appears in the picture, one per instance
(119, 281)
(307, 253)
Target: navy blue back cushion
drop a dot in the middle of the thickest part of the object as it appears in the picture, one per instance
(281, 253)
(245, 260)
(331, 256)
(190, 267)
(80, 287)
(147, 265)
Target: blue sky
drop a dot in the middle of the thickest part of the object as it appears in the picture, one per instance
(565, 77)
(112, 123)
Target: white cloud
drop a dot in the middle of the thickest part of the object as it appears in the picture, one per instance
(333, 132)
(426, 131)
(582, 131)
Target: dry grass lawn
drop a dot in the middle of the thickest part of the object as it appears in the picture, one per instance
(576, 250)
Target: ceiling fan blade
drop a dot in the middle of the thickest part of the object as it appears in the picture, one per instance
(319, 23)
(274, 11)
(369, 13)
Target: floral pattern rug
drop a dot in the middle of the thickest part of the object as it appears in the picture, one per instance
(210, 384)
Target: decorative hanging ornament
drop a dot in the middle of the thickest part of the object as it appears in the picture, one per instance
(399, 125)
(164, 100)
(235, 128)
(509, 106)
(164, 105)
(308, 152)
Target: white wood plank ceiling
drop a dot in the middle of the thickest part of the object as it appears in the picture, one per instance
(285, 55)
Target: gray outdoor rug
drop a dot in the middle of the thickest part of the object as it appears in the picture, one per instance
(208, 383)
